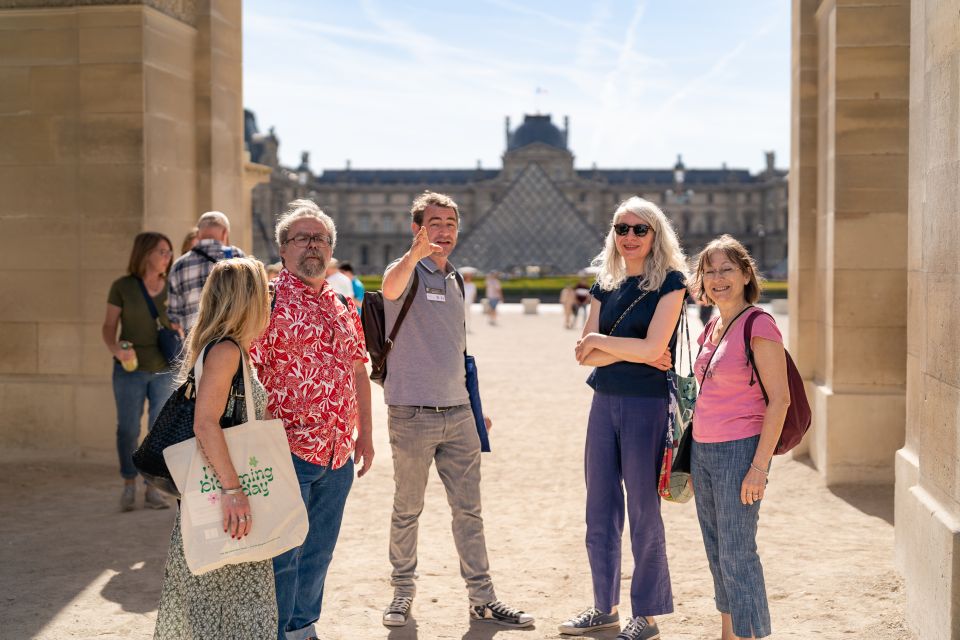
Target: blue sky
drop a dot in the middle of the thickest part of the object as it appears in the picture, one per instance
(426, 84)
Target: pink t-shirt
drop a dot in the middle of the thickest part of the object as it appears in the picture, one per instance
(728, 408)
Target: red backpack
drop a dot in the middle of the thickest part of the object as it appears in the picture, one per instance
(798, 414)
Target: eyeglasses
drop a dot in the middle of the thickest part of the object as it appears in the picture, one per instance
(165, 253)
(725, 272)
(304, 241)
(639, 230)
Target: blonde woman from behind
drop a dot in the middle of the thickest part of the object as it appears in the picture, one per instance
(236, 601)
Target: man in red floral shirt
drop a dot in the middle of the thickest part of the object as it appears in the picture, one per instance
(311, 360)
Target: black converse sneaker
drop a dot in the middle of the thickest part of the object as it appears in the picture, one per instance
(499, 613)
(639, 629)
(589, 620)
(398, 613)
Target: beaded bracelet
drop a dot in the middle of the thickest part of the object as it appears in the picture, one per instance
(232, 492)
(756, 468)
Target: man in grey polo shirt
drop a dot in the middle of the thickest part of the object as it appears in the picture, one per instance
(430, 420)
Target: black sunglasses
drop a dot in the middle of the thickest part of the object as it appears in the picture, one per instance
(639, 230)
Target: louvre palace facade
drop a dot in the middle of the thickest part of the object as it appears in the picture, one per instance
(538, 210)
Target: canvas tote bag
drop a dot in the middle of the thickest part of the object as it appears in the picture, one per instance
(261, 456)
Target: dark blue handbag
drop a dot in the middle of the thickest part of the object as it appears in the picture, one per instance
(473, 388)
(169, 341)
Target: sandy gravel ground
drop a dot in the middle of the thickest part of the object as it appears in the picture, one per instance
(73, 566)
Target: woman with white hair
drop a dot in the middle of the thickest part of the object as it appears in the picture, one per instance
(630, 338)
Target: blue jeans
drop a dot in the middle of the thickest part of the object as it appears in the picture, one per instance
(131, 390)
(301, 572)
(730, 532)
(625, 440)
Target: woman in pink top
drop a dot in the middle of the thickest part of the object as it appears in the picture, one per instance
(735, 432)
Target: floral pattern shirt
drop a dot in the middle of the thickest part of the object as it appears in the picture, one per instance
(305, 360)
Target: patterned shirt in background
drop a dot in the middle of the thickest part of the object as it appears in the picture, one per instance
(305, 360)
(186, 279)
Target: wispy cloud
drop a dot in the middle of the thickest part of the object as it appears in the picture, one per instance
(373, 80)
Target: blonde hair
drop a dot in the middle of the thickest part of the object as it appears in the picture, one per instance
(736, 253)
(665, 254)
(233, 304)
(431, 199)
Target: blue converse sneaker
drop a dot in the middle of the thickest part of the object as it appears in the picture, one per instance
(639, 629)
(588, 620)
(499, 613)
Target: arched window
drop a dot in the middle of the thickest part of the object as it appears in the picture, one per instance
(364, 254)
(387, 255)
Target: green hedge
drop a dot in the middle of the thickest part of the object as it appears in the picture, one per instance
(548, 289)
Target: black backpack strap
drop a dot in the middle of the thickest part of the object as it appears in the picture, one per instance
(201, 252)
(403, 312)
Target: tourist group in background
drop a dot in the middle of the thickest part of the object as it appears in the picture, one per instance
(298, 331)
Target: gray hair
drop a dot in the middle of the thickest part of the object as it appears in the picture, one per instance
(213, 219)
(299, 209)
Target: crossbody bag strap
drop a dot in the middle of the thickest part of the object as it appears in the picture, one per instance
(201, 252)
(628, 310)
(706, 337)
(150, 304)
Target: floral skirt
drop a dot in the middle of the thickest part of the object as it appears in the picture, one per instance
(236, 602)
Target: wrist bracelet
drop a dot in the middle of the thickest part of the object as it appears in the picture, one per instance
(756, 468)
(232, 492)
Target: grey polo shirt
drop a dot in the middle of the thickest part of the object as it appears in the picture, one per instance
(425, 367)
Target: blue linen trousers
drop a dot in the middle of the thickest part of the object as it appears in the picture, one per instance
(729, 530)
(624, 449)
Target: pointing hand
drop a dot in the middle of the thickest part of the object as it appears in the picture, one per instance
(422, 247)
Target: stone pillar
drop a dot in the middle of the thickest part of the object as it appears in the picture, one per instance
(860, 311)
(927, 516)
(99, 124)
(219, 115)
(802, 255)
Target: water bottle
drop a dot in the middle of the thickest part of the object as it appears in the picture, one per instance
(131, 364)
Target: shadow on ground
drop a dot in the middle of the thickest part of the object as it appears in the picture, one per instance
(63, 543)
(876, 501)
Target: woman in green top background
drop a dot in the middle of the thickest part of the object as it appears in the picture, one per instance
(147, 374)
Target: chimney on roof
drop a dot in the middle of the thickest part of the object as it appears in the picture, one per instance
(771, 160)
(566, 131)
(507, 130)
(348, 164)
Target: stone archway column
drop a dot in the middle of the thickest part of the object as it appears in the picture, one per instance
(927, 516)
(116, 118)
(854, 319)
